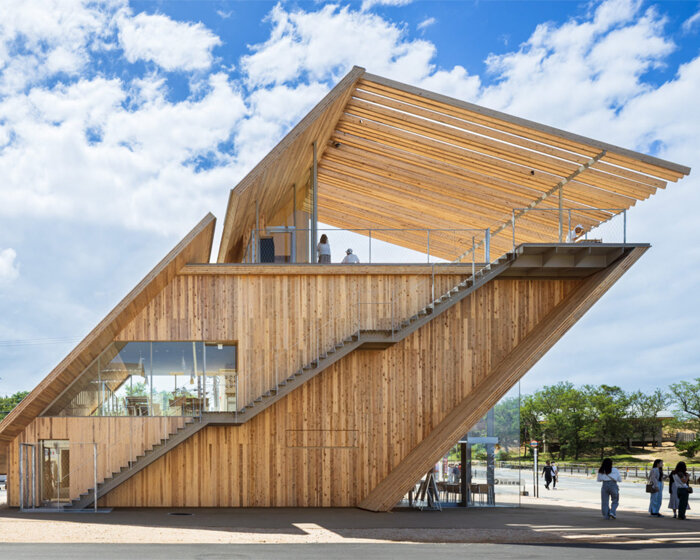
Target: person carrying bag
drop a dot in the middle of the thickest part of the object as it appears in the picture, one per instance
(655, 488)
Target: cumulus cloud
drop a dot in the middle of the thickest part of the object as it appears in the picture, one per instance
(323, 45)
(9, 269)
(171, 44)
(40, 38)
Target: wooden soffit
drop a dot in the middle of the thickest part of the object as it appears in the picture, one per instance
(403, 157)
(400, 157)
(195, 247)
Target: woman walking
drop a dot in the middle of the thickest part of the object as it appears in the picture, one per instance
(609, 491)
(656, 480)
(678, 490)
(324, 250)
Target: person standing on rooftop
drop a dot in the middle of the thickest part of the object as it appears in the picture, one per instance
(324, 250)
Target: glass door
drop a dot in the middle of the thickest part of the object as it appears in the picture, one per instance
(55, 469)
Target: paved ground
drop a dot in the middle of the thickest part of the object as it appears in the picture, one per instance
(563, 521)
(345, 551)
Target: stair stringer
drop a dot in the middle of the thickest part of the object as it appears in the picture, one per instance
(87, 499)
(495, 385)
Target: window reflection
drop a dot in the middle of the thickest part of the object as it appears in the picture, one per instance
(155, 379)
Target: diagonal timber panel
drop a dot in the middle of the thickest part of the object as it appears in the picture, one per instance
(496, 384)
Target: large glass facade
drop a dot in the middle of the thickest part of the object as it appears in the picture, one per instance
(482, 469)
(155, 379)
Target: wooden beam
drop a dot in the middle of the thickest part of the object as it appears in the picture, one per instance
(634, 160)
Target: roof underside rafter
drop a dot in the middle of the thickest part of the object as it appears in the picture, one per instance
(395, 156)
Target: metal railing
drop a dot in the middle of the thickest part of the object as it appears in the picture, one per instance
(535, 225)
(370, 245)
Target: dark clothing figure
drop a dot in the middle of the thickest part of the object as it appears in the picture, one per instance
(547, 473)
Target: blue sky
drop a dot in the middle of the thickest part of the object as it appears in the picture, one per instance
(123, 123)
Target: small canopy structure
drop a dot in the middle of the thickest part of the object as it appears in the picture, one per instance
(394, 156)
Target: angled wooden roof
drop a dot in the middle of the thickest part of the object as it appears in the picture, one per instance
(395, 156)
(195, 247)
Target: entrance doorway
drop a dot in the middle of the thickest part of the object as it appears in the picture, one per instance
(55, 472)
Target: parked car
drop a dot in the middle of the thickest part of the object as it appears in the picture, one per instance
(3, 481)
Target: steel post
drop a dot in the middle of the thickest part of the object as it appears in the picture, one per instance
(487, 246)
(428, 238)
(561, 215)
(370, 246)
(94, 450)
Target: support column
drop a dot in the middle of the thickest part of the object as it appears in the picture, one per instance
(463, 471)
(490, 451)
(314, 209)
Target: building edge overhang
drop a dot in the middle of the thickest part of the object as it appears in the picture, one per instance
(195, 247)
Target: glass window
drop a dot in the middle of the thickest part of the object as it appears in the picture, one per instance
(154, 379)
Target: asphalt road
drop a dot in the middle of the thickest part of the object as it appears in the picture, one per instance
(346, 551)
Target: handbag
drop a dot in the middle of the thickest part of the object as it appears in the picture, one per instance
(651, 489)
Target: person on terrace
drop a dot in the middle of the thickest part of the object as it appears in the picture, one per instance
(324, 250)
(350, 258)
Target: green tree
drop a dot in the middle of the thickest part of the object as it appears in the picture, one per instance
(685, 395)
(610, 408)
(8, 403)
(644, 411)
(557, 413)
(139, 389)
(506, 420)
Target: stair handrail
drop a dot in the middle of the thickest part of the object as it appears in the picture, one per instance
(108, 448)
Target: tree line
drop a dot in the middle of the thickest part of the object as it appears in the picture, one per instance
(590, 418)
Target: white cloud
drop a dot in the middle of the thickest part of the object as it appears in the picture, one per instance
(691, 22)
(170, 44)
(368, 4)
(54, 35)
(427, 22)
(9, 269)
(324, 45)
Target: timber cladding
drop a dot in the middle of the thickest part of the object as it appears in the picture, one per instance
(118, 439)
(334, 439)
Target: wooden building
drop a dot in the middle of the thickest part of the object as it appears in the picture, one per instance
(268, 379)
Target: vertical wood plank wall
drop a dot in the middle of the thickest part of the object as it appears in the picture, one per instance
(279, 321)
(118, 438)
(330, 442)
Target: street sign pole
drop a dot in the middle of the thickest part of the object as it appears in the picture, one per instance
(535, 473)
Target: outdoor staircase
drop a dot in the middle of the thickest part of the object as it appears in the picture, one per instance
(364, 339)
